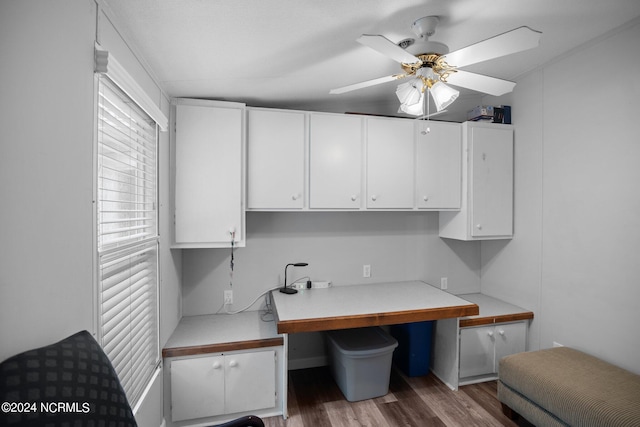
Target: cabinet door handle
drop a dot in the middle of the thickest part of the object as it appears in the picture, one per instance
(479, 226)
(425, 198)
(216, 365)
(501, 332)
(374, 197)
(233, 364)
(490, 333)
(295, 197)
(354, 197)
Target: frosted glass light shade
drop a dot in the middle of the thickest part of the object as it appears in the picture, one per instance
(409, 93)
(416, 109)
(443, 95)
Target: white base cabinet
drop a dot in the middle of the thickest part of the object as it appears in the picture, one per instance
(482, 347)
(222, 384)
(468, 350)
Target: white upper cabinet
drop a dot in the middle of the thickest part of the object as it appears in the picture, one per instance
(209, 166)
(335, 161)
(487, 203)
(390, 163)
(276, 143)
(438, 165)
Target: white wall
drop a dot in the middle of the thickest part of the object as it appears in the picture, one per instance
(47, 177)
(574, 259)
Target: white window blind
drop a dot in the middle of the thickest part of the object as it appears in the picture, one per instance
(127, 238)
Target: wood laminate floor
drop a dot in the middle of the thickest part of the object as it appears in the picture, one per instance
(316, 401)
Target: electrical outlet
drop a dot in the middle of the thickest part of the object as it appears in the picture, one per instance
(444, 283)
(228, 297)
(366, 270)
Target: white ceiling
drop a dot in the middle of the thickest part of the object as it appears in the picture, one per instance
(290, 53)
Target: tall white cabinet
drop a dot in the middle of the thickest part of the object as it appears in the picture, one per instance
(486, 210)
(208, 159)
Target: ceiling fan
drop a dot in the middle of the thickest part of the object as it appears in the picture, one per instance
(431, 65)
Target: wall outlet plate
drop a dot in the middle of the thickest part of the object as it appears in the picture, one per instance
(366, 270)
(228, 297)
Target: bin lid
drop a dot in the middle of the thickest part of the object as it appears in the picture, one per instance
(371, 339)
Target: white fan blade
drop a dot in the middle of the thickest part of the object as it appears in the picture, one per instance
(388, 48)
(367, 83)
(486, 84)
(513, 41)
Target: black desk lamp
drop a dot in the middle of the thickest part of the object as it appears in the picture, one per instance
(284, 288)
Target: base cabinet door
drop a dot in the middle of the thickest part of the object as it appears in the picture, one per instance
(250, 382)
(510, 338)
(197, 388)
(476, 351)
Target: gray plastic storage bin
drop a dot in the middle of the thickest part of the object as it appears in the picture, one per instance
(361, 361)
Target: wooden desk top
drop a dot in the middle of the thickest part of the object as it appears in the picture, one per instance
(216, 333)
(355, 306)
(493, 310)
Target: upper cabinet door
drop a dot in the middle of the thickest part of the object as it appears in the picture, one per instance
(491, 181)
(275, 159)
(209, 183)
(335, 170)
(438, 165)
(390, 163)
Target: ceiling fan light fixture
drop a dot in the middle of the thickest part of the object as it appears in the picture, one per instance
(443, 95)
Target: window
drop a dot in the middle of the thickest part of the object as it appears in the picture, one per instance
(127, 238)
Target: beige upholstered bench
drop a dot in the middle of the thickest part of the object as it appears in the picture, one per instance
(565, 387)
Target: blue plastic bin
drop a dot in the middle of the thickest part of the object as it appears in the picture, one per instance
(413, 355)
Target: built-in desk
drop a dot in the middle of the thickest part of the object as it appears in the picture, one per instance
(357, 306)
